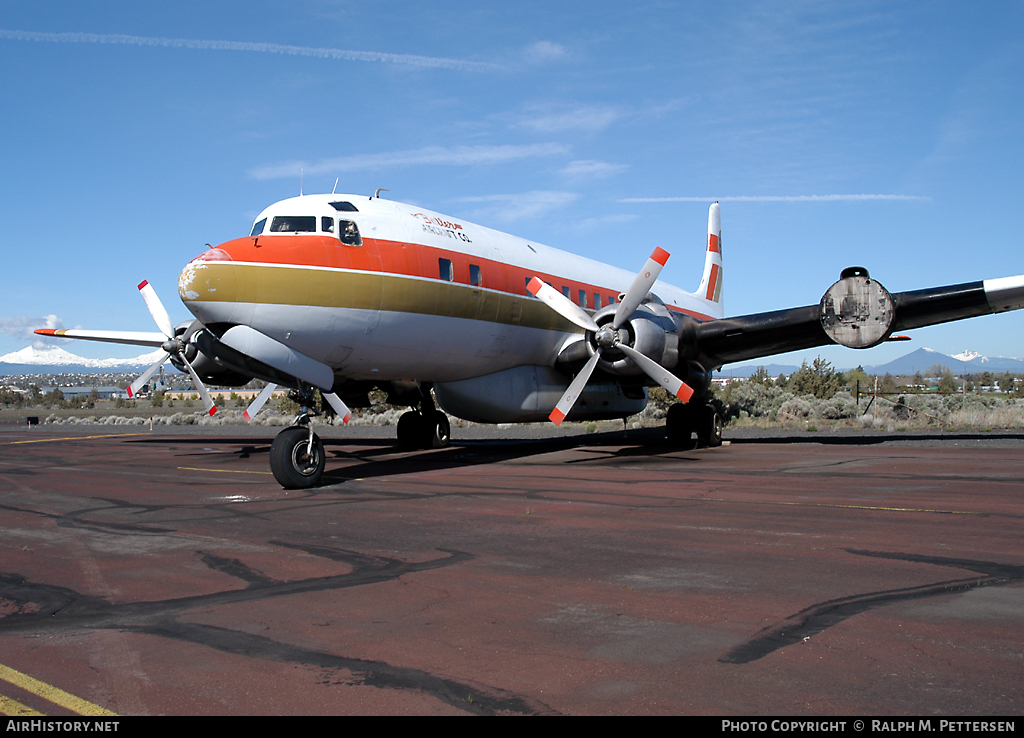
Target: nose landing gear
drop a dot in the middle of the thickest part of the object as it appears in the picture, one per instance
(297, 455)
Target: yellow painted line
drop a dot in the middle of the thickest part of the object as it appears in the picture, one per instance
(52, 694)
(13, 708)
(221, 471)
(843, 507)
(78, 438)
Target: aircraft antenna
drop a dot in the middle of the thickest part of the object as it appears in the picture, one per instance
(300, 181)
(380, 190)
(335, 186)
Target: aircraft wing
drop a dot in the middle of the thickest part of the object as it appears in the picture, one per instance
(752, 336)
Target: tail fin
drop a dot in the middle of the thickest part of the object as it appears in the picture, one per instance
(710, 290)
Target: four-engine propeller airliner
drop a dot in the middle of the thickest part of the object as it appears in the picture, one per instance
(345, 293)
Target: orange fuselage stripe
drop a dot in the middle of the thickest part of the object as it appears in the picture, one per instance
(403, 259)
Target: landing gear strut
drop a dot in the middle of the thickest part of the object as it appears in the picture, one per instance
(297, 454)
(426, 428)
(683, 420)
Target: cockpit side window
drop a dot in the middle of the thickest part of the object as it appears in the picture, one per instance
(344, 207)
(293, 224)
(257, 229)
(348, 232)
(326, 224)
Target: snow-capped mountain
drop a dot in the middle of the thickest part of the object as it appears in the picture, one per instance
(55, 360)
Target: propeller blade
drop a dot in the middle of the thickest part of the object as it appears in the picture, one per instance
(562, 305)
(207, 400)
(259, 402)
(144, 377)
(572, 394)
(658, 373)
(132, 338)
(339, 407)
(156, 309)
(642, 284)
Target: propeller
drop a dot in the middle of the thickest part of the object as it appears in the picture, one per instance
(173, 346)
(610, 336)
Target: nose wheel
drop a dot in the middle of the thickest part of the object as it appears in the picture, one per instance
(297, 457)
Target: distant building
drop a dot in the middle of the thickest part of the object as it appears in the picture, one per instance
(105, 393)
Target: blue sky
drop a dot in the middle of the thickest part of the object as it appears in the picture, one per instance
(135, 133)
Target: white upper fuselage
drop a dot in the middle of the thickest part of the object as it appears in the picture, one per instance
(413, 295)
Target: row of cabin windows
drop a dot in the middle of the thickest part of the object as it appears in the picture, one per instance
(446, 271)
(346, 230)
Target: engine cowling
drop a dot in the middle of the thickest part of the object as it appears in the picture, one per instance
(206, 366)
(857, 311)
(650, 330)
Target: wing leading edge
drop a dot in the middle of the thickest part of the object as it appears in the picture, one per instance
(747, 337)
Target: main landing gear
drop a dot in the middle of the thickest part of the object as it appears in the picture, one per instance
(684, 420)
(297, 454)
(427, 427)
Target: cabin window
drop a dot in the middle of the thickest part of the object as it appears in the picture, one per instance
(257, 229)
(444, 266)
(326, 224)
(597, 301)
(565, 291)
(293, 224)
(583, 298)
(476, 277)
(348, 232)
(344, 207)
(528, 285)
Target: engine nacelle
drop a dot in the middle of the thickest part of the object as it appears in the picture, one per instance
(528, 394)
(208, 368)
(857, 311)
(651, 330)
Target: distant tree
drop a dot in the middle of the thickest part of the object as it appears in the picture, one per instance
(1006, 382)
(818, 379)
(937, 370)
(761, 376)
(948, 383)
(887, 384)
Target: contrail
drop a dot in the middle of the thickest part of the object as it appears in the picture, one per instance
(187, 43)
(777, 198)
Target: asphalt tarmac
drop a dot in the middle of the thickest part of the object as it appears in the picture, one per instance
(146, 573)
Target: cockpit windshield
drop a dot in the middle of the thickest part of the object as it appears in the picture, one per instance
(293, 224)
(257, 228)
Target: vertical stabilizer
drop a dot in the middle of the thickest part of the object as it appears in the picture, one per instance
(710, 289)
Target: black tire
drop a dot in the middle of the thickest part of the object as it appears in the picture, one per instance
(292, 465)
(679, 425)
(710, 433)
(437, 431)
(410, 430)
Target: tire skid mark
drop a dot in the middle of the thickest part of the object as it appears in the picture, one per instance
(46, 608)
(819, 617)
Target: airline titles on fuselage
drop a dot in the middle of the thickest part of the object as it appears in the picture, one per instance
(440, 227)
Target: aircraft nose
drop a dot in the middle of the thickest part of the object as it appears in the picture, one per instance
(208, 286)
